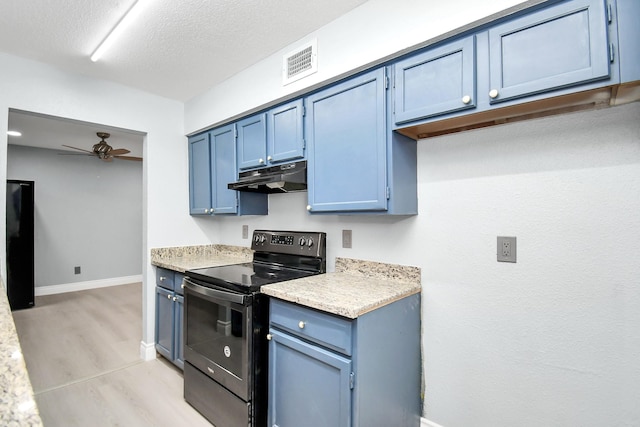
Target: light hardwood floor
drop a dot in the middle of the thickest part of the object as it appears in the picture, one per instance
(82, 354)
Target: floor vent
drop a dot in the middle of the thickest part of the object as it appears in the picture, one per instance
(299, 63)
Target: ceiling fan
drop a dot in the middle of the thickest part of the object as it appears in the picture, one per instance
(104, 151)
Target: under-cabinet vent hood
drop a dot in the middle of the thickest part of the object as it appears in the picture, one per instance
(285, 178)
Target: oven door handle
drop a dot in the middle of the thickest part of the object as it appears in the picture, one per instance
(214, 293)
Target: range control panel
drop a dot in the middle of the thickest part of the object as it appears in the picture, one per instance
(290, 242)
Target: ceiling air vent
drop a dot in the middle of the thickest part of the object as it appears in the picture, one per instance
(300, 63)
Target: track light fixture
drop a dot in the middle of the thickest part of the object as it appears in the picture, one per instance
(126, 20)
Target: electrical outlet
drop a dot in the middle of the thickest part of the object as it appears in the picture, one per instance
(506, 249)
(245, 231)
(76, 270)
(346, 239)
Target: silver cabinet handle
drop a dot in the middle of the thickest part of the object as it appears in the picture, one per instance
(269, 158)
(309, 207)
(174, 299)
(206, 210)
(168, 296)
(493, 94)
(466, 99)
(162, 278)
(261, 161)
(301, 324)
(269, 336)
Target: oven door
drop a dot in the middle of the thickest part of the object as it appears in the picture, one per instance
(217, 335)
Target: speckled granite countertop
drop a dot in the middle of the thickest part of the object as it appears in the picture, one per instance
(17, 404)
(183, 258)
(356, 287)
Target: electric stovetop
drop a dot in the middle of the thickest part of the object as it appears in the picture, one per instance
(245, 278)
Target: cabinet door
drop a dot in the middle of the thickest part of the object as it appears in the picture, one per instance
(223, 169)
(178, 343)
(560, 46)
(252, 142)
(199, 175)
(164, 323)
(438, 81)
(628, 39)
(308, 385)
(285, 136)
(346, 132)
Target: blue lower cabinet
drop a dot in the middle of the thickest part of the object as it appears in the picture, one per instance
(326, 370)
(164, 322)
(299, 372)
(169, 318)
(178, 346)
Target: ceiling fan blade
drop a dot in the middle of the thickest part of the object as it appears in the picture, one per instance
(75, 148)
(138, 159)
(118, 151)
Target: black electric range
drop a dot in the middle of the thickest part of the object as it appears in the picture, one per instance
(226, 325)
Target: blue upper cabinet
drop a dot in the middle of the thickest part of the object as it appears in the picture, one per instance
(199, 175)
(346, 131)
(285, 137)
(560, 46)
(355, 163)
(212, 165)
(629, 40)
(223, 165)
(273, 137)
(437, 81)
(252, 142)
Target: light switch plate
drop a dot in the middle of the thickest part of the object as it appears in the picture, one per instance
(245, 231)
(346, 239)
(506, 249)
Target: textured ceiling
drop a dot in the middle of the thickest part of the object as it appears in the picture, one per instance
(52, 133)
(176, 48)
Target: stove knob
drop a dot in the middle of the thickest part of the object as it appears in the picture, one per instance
(262, 238)
(256, 238)
(302, 241)
(309, 242)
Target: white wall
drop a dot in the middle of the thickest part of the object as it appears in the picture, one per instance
(376, 29)
(551, 340)
(32, 86)
(88, 213)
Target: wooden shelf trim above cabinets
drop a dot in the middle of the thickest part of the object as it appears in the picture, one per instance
(580, 101)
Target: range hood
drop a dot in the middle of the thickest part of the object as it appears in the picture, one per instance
(285, 178)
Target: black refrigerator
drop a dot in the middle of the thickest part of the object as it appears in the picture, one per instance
(20, 243)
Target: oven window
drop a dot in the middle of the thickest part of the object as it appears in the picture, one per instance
(217, 332)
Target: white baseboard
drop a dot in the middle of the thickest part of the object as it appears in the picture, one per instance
(83, 286)
(426, 423)
(147, 351)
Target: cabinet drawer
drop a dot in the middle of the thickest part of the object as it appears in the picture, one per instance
(325, 329)
(165, 278)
